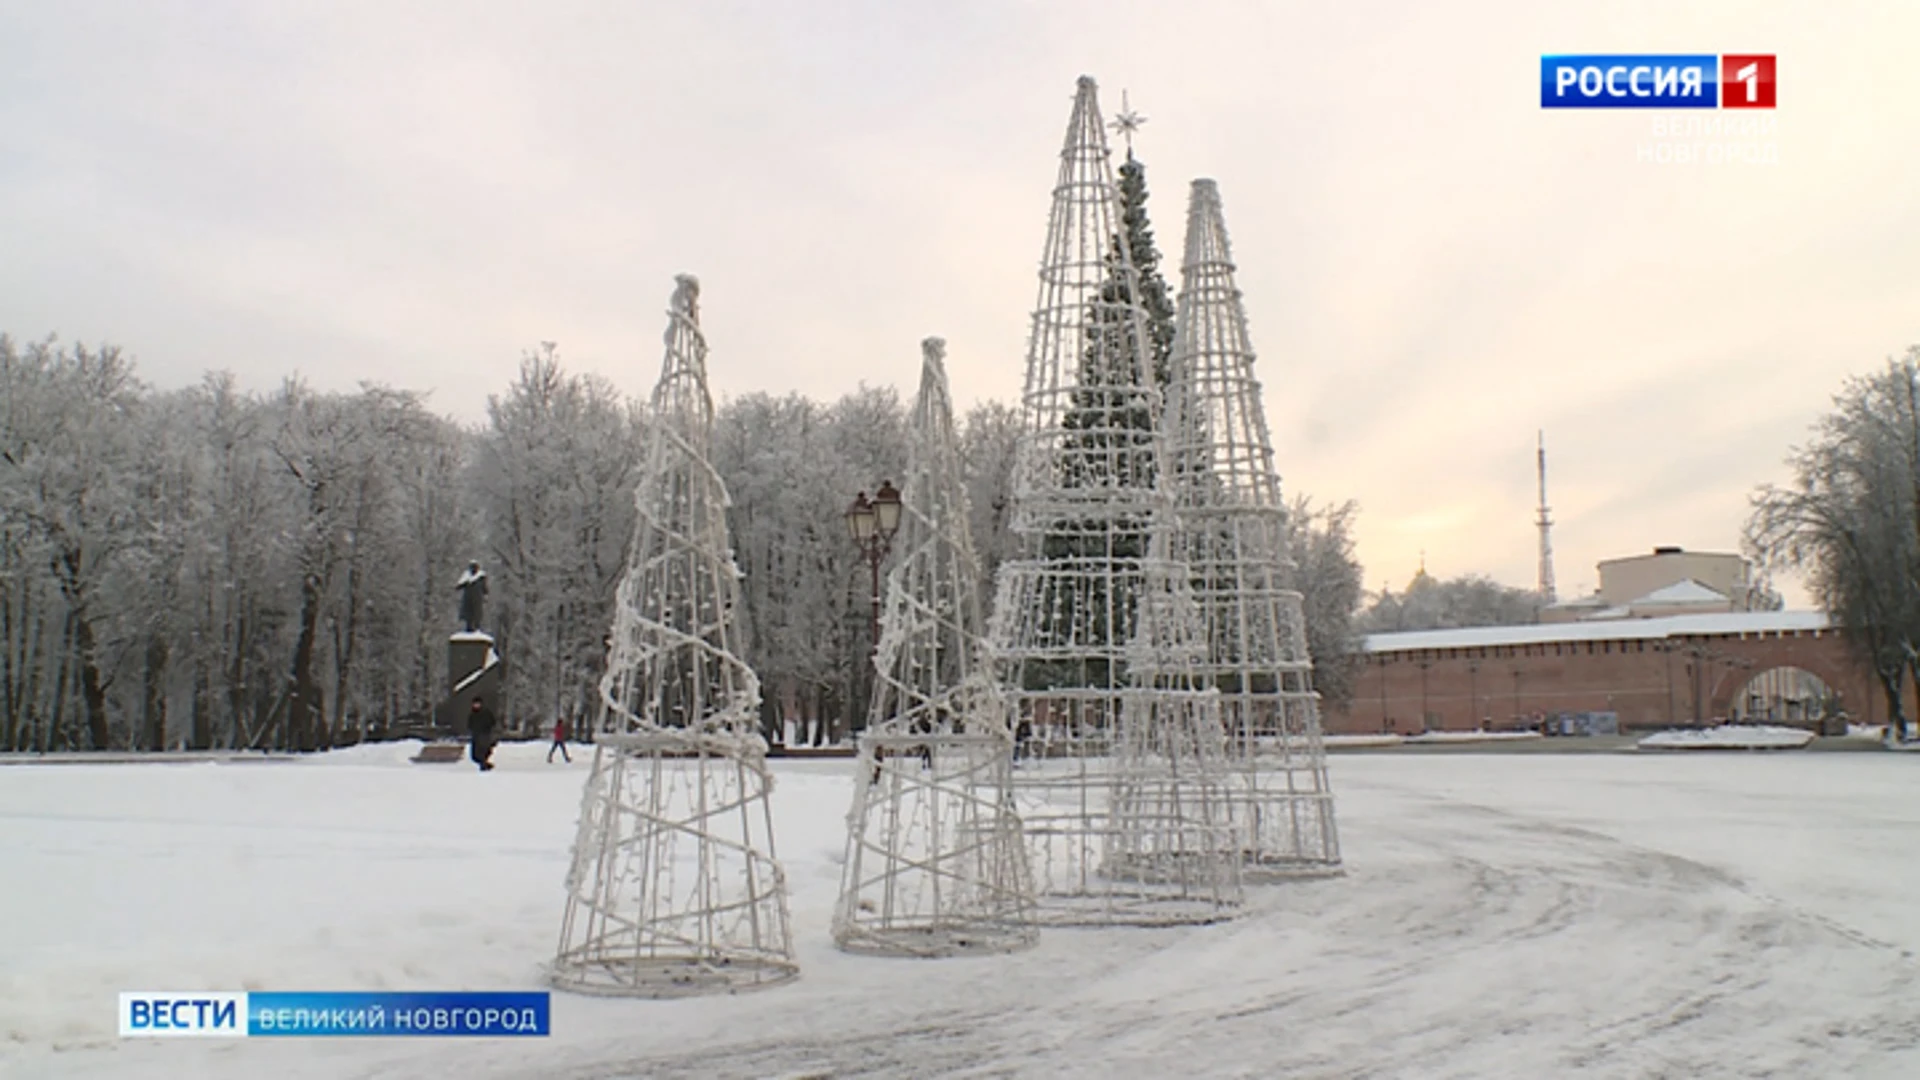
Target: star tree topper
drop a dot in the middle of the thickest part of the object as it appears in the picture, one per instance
(1126, 122)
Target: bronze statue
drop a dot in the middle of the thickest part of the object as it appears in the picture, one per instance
(472, 588)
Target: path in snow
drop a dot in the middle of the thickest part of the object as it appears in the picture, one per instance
(1503, 915)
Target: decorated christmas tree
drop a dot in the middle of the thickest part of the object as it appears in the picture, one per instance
(1122, 784)
(935, 861)
(1231, 533)
(674, 889)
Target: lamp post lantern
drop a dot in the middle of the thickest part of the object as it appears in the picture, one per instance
(871, 525)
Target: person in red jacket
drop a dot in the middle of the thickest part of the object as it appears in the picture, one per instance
(559, 742)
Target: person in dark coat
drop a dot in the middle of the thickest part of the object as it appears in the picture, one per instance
(480, 724)
(559, 742)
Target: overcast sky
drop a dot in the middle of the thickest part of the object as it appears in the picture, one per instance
(1434, 266)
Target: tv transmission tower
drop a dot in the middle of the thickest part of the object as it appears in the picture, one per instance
(1232, 532)
(1095, 640)
(1546, 528)
(935, 865)
(673, 888)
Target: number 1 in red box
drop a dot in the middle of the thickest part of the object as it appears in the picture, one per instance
(1746, 81)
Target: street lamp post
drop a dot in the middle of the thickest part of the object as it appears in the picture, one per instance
(871, 524)
(1473, 691)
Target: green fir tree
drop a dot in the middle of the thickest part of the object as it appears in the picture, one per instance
(1110, 431)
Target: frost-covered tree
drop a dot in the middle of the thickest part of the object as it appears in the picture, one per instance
(338, 455)
(69, 450)
(169, 481)
(437, 510)
(1850, 522)
(1429, 603)
(1762, 596)
(1325, 573)
(241, 571)
(989, 441)
(554, 482)
(211, 568)
(774, 456)
(791, 466)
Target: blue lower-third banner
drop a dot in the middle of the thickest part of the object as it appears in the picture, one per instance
(203, 1014)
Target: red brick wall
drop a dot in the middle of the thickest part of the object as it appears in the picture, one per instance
(1649, 683)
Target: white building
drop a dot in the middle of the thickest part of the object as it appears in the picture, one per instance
(1670, 581)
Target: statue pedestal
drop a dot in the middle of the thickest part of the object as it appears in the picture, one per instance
(474, 670)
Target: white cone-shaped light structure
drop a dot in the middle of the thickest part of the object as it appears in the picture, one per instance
(1232, 534)
(1120, 771)
(935, 865)
(674, 889)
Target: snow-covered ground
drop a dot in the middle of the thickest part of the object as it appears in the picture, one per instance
(1472, 736)
(1730, 737)
(1516, 915)
(1346, 741)
(1353, 741)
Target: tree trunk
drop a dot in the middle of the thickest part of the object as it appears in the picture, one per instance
(201, 737)
(304, 704)
(91, 688)
(1893, 681)
(237, 686)
(57, 712)
(344, 651)
(770, 721)
(154, 693)
(9, 701)
(424, 690)
(16, 639)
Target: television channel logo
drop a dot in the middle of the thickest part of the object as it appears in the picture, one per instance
(1651, 81)
(253, 1014)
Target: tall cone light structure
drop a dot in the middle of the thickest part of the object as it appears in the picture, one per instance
(674, 889)
(1231, 532)
(935, 865)
(1120, 778)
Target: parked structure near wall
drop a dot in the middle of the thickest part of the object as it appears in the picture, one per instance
(1676, 671)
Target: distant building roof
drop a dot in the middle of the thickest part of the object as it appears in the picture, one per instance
(1609, 613)
(1684, 591)
(1481, 637)
(1594, 600)
(1665, 551)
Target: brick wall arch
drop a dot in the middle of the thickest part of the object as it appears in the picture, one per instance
(1823, 653)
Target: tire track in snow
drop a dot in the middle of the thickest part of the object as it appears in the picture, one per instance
(1473, 941)
(1723, 980)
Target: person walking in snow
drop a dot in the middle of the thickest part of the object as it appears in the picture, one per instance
(480, 724)
(559, 742)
